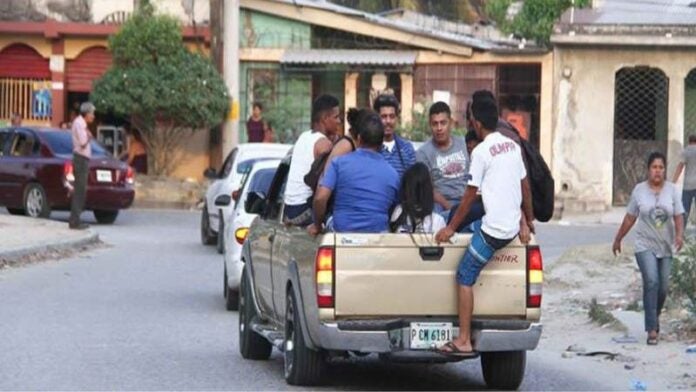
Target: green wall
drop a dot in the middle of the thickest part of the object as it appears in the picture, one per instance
(259, 30)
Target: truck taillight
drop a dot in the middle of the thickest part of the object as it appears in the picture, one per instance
(68, 171)
(130, 176)
(535, 276)
(325, 277)
(241, 234)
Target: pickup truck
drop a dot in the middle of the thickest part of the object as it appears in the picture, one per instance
(320, 298)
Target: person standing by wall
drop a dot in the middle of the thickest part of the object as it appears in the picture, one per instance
(657, 207)
(256, 126)
(688, 161)
(82, 152)
(16, 120)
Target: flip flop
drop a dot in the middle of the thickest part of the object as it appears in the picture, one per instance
(652, 341)
(453, 351)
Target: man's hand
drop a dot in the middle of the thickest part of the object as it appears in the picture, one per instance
(616, 247)
(530, 225)
(525, 233)
(444, 235)
(313, 230)
(679, 243)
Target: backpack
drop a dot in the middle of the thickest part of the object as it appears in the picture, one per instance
(540, 179)
(311, 179)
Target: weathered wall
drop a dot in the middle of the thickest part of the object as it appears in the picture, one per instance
(583, 114)
(259, 30)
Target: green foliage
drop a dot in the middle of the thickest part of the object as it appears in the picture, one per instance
(535, 20)
(285, 112)
(683, 279)
(418, 130)
(165, 90)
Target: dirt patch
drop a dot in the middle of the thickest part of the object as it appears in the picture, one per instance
(50, 255)
(164, 192)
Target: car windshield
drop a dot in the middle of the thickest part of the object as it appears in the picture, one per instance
(61, 143)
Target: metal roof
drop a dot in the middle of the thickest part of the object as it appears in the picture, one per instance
(348, 56)
(462, 39)
(635, 12)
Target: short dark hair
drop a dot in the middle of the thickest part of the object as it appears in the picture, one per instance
(353, 118)
(323, 104)
(692, 138)
(371, 130)
(257, 105)
(471, 136)
(482, 94)
(439, 107)
(386, 100)
(485, 111)
(655, 156)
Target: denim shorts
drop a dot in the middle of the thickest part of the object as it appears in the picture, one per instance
(478, 253)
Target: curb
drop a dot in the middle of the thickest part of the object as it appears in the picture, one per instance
(13, 256)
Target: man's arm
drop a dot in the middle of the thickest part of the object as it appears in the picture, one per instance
(678, 172)
(441, 200)
(460, 214)
(321, 146)
(527, 207)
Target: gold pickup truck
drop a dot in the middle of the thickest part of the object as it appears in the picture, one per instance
(341, 294)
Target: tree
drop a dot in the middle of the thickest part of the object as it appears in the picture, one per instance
(535, 19)
(166, 92)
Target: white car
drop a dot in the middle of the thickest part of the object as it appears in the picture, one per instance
(256, 182)
(228, 180)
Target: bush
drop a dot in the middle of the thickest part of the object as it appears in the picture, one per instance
(684, 276)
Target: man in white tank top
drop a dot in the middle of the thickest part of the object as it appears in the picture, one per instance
(326, 118)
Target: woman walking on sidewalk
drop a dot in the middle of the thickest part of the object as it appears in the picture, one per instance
(657, 206)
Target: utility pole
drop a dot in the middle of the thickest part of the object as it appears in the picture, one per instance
(230, 53)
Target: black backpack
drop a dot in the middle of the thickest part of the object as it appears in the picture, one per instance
(312, 177)
(538, 173)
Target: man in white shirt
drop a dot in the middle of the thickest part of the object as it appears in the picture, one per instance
(326, 118)
(82, 152)
(498, 171)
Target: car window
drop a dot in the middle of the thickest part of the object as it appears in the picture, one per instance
(22, 145)
(261, 181)
(276, 192)
(61, 144)
(229, 162)
(5, 137)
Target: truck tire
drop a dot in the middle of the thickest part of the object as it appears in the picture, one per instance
(503, 370)
(251, 345)
(303, 366)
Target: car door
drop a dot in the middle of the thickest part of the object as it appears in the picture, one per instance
(20, 165)
(217, 187)
(263, 240)
(6, 137)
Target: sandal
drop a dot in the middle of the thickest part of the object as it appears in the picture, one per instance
(652, 341)
(451, 349)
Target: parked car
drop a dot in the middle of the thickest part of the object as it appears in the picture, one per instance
(36, 175)
(228, 179)
(254, 187)
(393, 295)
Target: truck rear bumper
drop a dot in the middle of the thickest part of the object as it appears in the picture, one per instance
(393, 336)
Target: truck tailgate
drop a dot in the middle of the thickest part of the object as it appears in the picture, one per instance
(379, 275)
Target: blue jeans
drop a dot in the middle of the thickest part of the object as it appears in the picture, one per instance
(688, 196)
(476, 212)
(655, 272)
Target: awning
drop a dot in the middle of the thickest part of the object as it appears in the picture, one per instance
(349, 57)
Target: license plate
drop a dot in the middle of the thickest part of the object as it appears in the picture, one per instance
(427, 336)
(104, 176)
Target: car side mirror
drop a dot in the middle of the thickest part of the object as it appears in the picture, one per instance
(210, 173)
(223, 201)
(255, 203)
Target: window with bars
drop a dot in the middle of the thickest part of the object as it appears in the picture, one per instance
(640, 125)
(31, 98)
(689, 105)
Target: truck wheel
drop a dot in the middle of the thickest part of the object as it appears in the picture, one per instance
(251, 344)
(207, 238)
(503, 370)
(221, 236)
(303, 366)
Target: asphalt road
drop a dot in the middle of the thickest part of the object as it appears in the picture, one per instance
(146, 313)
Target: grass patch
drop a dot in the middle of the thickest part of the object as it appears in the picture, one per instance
(600, 315)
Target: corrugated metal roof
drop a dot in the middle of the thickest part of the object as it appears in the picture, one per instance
(406, 26)
(635, 12)
(348, 56)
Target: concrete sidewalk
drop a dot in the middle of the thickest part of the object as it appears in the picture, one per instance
(22, 237)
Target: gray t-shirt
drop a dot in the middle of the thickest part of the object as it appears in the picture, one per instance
(448, 168)
(688, 157)
(655, 212)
